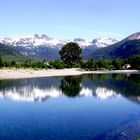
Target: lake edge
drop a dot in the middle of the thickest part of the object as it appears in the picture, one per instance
(31, 73)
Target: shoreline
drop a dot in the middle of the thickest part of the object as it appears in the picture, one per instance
(31, 73)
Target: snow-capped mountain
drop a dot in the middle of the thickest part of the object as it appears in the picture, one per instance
(38, 40)
(135, 36)
(44, 47)
(124, 49)
(26, 41)
(104, 42)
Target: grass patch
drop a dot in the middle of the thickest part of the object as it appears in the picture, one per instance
(17, 58)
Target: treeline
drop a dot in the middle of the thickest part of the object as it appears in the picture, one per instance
(102, 64)
(84, 64)
(57, 64)
(118, 64)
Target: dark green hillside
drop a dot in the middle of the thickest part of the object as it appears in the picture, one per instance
(7, 50)
(10, 54)
(120, 50)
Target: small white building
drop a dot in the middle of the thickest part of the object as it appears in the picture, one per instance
(127, 66)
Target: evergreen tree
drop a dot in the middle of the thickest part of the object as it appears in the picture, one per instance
(90, 64)
(13, 63)
(135, 62)
(71, 54)
(117, 64)
(1, 63)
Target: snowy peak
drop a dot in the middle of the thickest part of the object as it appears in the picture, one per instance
(44, 36)
(135, 36)
(82, 42)
(35, 40)
(44, 40)
(104, 42)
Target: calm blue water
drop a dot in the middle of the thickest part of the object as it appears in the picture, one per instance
(87, 107)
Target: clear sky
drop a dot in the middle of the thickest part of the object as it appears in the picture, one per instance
(68, 19)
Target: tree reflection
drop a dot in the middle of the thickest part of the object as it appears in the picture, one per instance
(71, 85)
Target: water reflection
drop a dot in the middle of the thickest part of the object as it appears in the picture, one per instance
(101, 86)
(38, 89)
(71, 85)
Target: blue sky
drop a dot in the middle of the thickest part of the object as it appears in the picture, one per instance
(68, 19)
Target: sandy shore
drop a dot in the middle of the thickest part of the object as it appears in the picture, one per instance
(30, 73)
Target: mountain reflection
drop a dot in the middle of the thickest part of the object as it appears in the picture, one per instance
(101, 86)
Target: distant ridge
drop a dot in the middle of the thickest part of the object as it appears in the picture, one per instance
(135, 36)
(124, 49)
(7, 50)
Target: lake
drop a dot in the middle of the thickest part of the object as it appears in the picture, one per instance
(87, 107)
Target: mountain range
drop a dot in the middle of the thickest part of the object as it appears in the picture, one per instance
(44, 47)
(123, 49)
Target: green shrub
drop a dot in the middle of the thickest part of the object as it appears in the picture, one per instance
(118, 64)
(1, 62)
(13, 63)
(57, 64)
(135, 62)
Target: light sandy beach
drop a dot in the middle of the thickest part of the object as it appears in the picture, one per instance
(30, 73)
